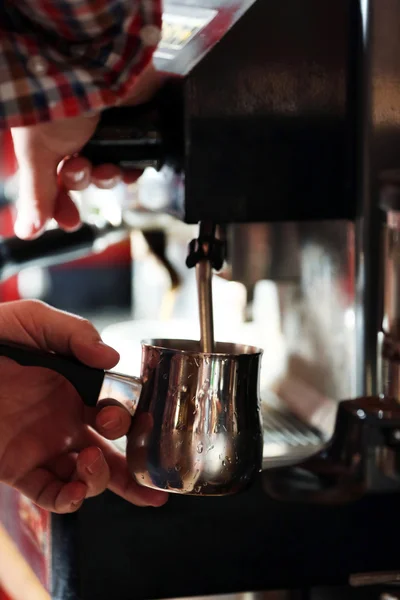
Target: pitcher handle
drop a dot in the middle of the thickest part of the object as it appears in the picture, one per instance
(87, 381)
(122, 390)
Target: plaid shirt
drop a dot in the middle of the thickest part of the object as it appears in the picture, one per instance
(63, 58)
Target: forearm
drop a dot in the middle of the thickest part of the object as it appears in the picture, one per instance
(71, 58)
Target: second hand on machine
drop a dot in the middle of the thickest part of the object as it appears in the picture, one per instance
(206, 253)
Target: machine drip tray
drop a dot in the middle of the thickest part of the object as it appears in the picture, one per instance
(287, 439)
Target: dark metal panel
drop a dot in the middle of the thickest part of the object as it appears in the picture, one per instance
(270, 130)
(195, 546)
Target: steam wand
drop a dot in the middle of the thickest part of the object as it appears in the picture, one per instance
(204, 290)
(205, 253)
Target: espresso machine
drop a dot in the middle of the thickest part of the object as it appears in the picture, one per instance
(279, 127)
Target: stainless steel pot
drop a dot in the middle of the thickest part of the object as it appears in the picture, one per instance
(196, 427)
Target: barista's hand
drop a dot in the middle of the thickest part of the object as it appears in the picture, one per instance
(49, 447)
(40, 150)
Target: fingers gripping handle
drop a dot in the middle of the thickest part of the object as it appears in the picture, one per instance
(86, 380)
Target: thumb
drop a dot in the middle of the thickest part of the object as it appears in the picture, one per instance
(37, 182)
(36, 324)
(39, 149)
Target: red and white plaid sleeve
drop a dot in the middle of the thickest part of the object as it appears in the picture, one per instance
(63, 58)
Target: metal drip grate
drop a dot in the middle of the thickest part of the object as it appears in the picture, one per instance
(287, 439)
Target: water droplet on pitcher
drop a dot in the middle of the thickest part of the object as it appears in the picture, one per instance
(207, 360)
(223, 463)
(197, 489)
(200, 447)
(210, 448)
(184, 388)
(165, 376)
(178, 467)
(228, 459)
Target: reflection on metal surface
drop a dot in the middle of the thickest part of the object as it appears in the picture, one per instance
(365, 579)
(391, 320)
(313, 267)
(389, 337)
(123, 389)
(364, 452)
(319, 335)
(197, 429)
(390, 367)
